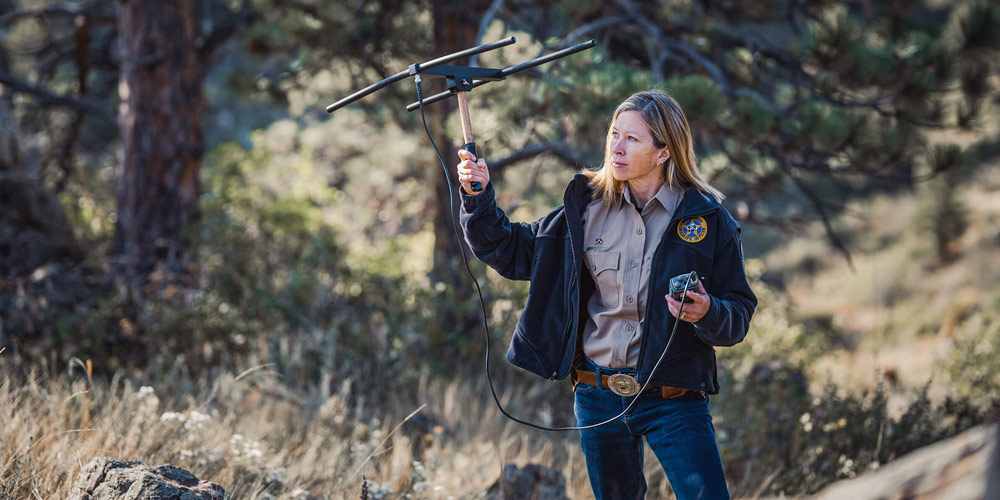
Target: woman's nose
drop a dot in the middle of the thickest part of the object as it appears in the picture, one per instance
(616, 146)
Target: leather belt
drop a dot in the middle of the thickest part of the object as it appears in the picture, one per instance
(625, 385)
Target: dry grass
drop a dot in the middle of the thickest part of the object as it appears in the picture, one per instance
(260, 440)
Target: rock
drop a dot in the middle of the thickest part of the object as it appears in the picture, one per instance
(957, 469)
(105, 478)
(532, 482)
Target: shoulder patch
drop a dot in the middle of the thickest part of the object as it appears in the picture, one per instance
(692, 230)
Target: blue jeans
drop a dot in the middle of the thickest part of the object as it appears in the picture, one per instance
(679, 431)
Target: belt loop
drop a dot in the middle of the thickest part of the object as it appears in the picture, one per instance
(597, 380)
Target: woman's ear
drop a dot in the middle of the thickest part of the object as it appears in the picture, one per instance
(664, 156)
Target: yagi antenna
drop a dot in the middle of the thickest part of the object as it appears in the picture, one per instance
(460, 79)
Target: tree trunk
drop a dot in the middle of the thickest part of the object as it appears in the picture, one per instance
(160, 117)
(454, 29)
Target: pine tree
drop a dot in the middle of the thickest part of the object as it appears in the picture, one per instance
(942, 215)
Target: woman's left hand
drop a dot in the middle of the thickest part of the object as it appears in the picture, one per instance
(693, 311)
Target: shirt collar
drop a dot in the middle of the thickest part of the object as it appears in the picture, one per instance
(667, 197)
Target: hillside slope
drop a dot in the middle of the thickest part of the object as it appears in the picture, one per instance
(896, 317)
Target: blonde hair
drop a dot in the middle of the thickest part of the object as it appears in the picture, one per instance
(669, 128)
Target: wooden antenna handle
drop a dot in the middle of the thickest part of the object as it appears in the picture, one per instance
(470, 141)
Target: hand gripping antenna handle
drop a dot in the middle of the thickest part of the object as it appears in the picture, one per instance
(470, 141)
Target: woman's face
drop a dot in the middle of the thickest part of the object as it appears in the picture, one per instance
(634, 156)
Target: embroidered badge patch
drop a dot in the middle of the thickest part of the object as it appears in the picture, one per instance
(692, 230)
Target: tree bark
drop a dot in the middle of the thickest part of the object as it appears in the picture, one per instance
(454, 30)
(160, 117)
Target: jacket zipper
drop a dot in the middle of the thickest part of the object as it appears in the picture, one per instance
(569, 318)
(649, 300)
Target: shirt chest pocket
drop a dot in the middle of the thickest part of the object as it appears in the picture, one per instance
(604, 268)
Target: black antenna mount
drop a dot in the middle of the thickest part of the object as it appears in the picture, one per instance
(460, 79)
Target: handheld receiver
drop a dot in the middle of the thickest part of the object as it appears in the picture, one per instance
(678, 289)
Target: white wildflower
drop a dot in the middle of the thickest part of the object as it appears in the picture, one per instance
(983, 347)
(379, 490)
(299, 494)
(848, 468)
(196, 421)
(147, 401)
(806, 421)
(209, 456)
(172, 417)
(244, 449)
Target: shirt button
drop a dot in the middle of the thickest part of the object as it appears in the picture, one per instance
(628, 299)
(634, 263)
(638, 231)
(628, 328)
(618, 359)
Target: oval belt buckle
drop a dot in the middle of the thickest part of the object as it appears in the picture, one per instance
(623, 384)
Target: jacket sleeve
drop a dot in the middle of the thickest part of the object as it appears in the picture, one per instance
(501, 244)
(733, 302)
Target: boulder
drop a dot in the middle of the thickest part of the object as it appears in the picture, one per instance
(105, 478)
(531, 482)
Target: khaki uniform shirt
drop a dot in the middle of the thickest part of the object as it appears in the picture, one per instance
(619, 243)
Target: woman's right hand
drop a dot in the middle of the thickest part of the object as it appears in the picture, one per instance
(470, 170)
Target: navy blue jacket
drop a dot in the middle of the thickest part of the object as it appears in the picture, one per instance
(549, 252)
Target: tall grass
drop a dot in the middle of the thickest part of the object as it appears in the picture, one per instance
(260, 440)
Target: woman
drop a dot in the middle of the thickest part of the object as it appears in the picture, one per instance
(599, 308)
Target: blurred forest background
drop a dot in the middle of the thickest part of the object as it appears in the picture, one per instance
(199, 265)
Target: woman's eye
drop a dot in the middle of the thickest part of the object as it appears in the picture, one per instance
(632, 138)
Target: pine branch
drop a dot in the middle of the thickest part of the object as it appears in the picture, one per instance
(560, 150)
(684, 51)
(484, 24)
(215, 38)
(17, 15)
(47, 98)
(820, 210)
(54, 11)
(586, 29)
(649, 28)
(567, 155)
(522, 154)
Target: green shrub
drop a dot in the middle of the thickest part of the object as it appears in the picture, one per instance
(774, 433)
(972, 364)
(769, 426)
